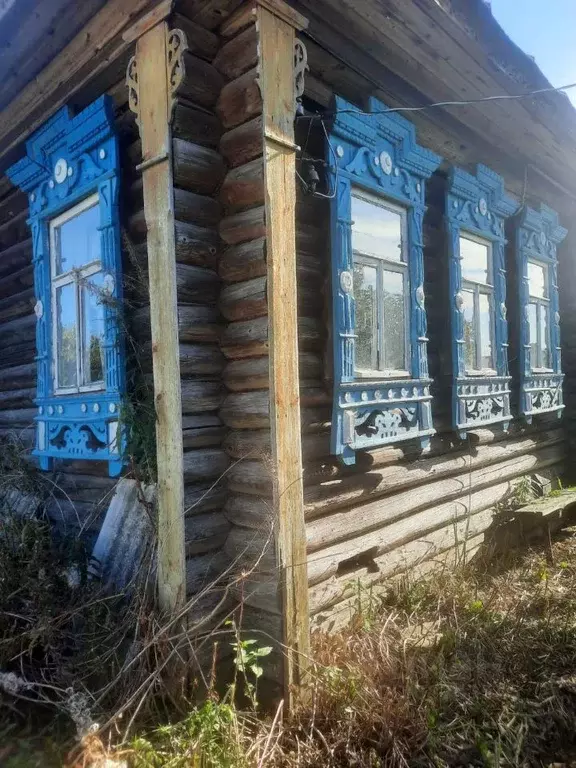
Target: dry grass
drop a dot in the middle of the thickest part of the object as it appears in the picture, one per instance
(470, 668)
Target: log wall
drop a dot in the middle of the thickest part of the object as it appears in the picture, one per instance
(396, 510)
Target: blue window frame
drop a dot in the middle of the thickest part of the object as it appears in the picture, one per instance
(537, 238)
(71, 174)
(381, 383)
(476, 209)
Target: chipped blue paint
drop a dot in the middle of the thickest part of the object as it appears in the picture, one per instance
(378, 153)
(478, 205)
(537, 238)
(68, 159)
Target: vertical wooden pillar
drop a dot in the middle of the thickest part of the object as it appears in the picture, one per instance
(153, 75)
(276, 25)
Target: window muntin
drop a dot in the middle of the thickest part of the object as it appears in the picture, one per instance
(77, 290)
(538, 313)
(478, 304)
(381, 281)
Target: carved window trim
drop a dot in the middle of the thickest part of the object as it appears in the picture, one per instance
(478, 206)
(69, 159)
(537, 238)
(377, 153)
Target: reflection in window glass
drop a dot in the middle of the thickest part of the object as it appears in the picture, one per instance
(469, 330)
(536, 280)
(77, 240)
(546, 361)
(394, 314)
(365, 279)
(93, 329)
(376, 230)
(474, 260)
(66, 336)
(485, 308)
(533, 334)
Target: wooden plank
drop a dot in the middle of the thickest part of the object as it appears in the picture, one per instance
(93, 49)
(276, 81)
(154, 95)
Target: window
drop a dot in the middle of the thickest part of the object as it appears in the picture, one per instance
(476, 209)
(538, 235)
(380, 286)
(381, 384)
(538, 316)
(77, 295)
(478, 307)
(73, 198)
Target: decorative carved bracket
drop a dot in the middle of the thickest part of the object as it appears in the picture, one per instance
(176, 45)
(300, 69)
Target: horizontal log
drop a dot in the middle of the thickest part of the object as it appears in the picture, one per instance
(244, 301)
(325, 563)
(16, 281)
(202, 82)
(17, 306)
(238, 54)
(201, 42)
(379, 481)
(243, 261)
(23, 438)
(247, 443)
(16, 256)
(196, 359)
(19, 330)
(338, 527)
(246, 410)
(195, 125)
(196, 168)
(205, 533)
(252, 373)
(193, 284)
(251, 477)
(17, 398)
(252, 549)
(17, 376)
(196, 209)
(203, 464)
(203, 437)
(241, 18)
(244, 226)
(201, 497)
(19, 417)
(243, 186)
(239, 100)
(197, 246)
(244, 143)
(249, 512)
(249, 338)
(14, 205)
(195, 323)
(199, 396)
(203, 570)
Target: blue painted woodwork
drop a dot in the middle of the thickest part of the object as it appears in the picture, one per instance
(478, 205)
(537, 237)
(377, 152)
(68, 159)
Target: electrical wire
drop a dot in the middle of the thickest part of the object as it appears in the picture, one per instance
(388, 110)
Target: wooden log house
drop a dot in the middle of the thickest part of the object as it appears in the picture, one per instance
(346, 272)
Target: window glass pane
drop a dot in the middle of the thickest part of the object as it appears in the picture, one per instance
(474, 260)
(376, 231)
(77, 241)
(536, 280)
(93, 329)
(533, 334)
(544, 337)
(66, 336)
(394, 321)
(365, 278)
(469, 331)
(485, 306)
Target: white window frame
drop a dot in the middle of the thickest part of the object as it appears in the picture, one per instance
(540, 301)
(381, 263)
(487, 289)
(76, 277)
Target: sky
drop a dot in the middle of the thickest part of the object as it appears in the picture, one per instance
(544, 29)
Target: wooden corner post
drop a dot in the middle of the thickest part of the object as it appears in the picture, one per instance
(153, 76)
(277, 24)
